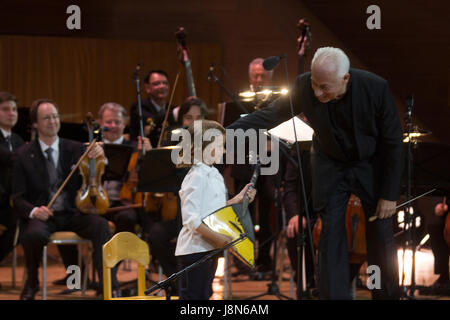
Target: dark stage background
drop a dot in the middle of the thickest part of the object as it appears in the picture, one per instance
(81, 69)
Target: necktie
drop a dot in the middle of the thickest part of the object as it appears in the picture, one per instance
(52, 174)
(8, 141)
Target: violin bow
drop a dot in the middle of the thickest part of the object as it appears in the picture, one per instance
(56, 195)
(164, 124)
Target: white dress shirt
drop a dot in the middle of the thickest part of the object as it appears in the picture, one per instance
(202, 192)
(55, 156)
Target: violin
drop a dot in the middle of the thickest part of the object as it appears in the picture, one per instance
(356, 231)
(129, 193)
(92, 198)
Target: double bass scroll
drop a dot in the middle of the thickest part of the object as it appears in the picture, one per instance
(185, 60)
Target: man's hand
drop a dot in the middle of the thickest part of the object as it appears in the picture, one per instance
(96, 151)
(385, 208)
(292, 227)
(43, 213)
(147, 145)
(440, 209)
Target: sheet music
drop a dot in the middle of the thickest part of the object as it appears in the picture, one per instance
(285, 131)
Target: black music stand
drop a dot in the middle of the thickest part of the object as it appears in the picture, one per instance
(430, 168)
(158, 173)
(118, 156)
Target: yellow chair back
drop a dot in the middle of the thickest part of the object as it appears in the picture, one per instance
(126, 245)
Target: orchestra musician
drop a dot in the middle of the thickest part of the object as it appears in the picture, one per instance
(202, 192)
(154, 107)
(357, 148)
(39, 170)
(113, 116)
(440, 249)
(257, 75)
(9, 142)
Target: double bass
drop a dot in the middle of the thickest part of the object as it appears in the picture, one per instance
(185, 60)
(166, 203)
(355, 222)
(92, 198)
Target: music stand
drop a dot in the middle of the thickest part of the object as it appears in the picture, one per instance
(158, 173)
(430, 163)
(118, 156)
(296, 131)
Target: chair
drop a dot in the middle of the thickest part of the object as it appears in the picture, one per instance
(65, 238)
(126, 245)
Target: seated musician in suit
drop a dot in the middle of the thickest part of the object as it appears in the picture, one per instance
(257, 75)
(154, 107)
(9, 142)
(39, 171)
(113, 117)
(163, 232)
(440, 248)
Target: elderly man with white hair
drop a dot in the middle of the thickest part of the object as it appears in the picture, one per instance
(356, 149)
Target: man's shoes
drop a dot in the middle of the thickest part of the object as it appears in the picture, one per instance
(29, 291)
(441, 287)
(61, 282)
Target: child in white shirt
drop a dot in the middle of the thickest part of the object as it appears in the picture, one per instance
(202, 192)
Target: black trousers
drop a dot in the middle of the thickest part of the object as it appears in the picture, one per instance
(8, 220)
(334, 279)
(160, 235)
(35, 234)
(196, 284)
(439, 247)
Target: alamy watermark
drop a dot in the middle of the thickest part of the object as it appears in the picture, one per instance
(374, 278)
(234, 142)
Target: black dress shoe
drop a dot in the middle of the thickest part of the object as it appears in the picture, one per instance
(29, 291)
(61, 282)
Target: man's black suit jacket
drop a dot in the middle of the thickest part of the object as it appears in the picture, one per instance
(377, 132)
(6, 165)
(16, 141)
(148, 111)
(30, 187)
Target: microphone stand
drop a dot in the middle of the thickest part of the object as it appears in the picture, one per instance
(211, 75)
(409, 217)
(301, 236)
(166, 283)
(142, 217)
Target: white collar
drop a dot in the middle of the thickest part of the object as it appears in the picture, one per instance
(118, 141)
(6, 133)
(163, 107)
(54, 146)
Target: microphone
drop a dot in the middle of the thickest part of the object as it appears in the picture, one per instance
(410, 103)
(211, 70)
(272, 62)
(136, 72)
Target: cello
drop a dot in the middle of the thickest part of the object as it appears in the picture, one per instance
(92, 198)
(447, 225)
(355, 222)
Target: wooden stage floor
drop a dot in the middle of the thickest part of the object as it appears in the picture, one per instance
(242, 288)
